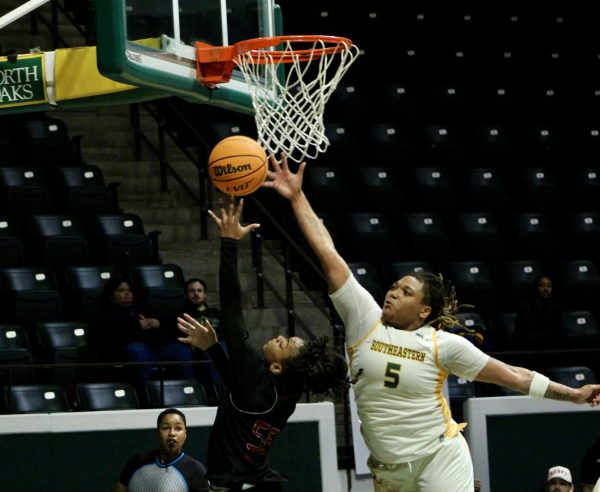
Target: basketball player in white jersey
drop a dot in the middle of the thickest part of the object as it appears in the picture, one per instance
(400, 356)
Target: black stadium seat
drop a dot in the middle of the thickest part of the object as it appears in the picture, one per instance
(12, 246)
(35, 398)
(367, 275)
(370, 235)
(395, 270)
(572, 376)
(121, 239)
(30, 295)
(106, 396)
(57, 241)
(425, 235)
(83, 288)
(176, 393)
(160, 286)
(68, 342)
(24, 191)
(81, 190)
(474, 285)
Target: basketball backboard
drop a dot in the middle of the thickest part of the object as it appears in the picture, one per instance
(150, 43)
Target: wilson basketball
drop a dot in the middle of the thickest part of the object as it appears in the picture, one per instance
(237, 165)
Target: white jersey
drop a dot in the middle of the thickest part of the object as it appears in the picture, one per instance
(399, 376)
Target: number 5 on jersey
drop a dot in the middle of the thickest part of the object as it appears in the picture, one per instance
(392, 375)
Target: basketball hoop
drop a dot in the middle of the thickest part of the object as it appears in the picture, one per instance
(288, 106)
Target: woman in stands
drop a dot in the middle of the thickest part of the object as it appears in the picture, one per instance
(538, 321)
(130, 332)
(400, 356)
(264, 384)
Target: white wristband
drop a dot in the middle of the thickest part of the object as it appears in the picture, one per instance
(539, 385)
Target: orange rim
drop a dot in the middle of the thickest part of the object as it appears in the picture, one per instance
(254, 48)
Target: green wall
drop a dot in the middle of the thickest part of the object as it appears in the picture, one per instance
(522, 447)
(92, 461)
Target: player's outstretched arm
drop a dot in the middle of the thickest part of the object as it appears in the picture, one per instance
(289, 186)
(536, 385)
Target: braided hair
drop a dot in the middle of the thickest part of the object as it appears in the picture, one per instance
(441, 297)
(317, 368)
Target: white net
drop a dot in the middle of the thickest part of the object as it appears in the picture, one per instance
(289, 90)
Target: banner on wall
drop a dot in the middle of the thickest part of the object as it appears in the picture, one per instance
(22, 81)
(66, 77)
(76, 75)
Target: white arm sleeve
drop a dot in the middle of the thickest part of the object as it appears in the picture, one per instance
(357, 309)
(460, 357)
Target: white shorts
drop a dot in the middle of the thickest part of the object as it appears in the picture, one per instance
(450, 469)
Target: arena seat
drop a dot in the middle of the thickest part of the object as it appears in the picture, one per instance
(57, 241)
(83, 288)
(35, 398)
(113, 395)
(121, 239)
(367, 275)
(176, 393)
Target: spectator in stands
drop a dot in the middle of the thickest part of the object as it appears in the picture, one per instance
(196, 306)
(130, 332)
(538, 321)
(146, 470)
(400, 354)
(559, 480)
(264, 383)
(590, 467)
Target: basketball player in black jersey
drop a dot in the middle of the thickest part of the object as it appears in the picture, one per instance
(264, 385)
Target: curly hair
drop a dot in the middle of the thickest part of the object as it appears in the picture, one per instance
(317, 368)
(441, 297)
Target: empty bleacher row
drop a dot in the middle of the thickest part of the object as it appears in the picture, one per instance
(93, 396)
(57, 241)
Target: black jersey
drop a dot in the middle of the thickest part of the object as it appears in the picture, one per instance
(144, 472)
(256, 409)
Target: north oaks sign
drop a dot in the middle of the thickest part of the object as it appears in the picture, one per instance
(22, 82)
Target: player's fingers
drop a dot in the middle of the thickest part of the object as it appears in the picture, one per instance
(215, 219)
(250, 227)
(238, 210)
(274, 163)
(301, 168)
(284, 163)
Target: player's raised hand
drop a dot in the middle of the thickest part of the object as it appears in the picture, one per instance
(202, 336)
(282, 180)
(229, 222)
